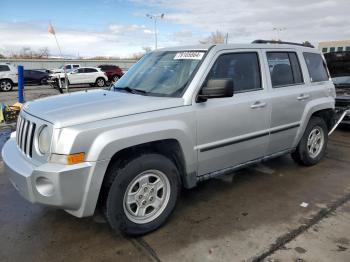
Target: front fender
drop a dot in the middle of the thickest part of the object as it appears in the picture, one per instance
(110, 142)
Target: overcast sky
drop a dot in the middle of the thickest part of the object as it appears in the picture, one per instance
(120, 28)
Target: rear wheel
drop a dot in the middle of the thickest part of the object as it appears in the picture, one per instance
(140, 196)
(6, 85)
(43, 81)
(100, 82)
(313, 144)
(115, 79)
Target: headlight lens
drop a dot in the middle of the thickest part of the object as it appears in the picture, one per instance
(44, 140)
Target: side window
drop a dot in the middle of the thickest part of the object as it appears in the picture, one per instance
(316, 67)
(75, 66)
(284, 69)
(4, 68)
(243, 68)
(81, 70)
(90, 70)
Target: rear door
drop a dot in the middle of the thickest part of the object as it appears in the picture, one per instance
(289, 96)
(233, 130)
(91, 75)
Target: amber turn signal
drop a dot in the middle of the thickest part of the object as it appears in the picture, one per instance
(75, 158)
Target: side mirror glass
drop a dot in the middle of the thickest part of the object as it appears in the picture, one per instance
(217, 88)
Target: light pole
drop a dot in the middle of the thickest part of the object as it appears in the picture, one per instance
(155, 17)
(278, 31)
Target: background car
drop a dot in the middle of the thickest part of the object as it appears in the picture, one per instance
(113, 72)
(35, 77)
(83, 75)
(338, 64)
(69, 68)
(8, 77)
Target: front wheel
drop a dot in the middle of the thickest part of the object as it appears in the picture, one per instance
(313, 144)
(100, 82)
(142, 194)
(6, 85)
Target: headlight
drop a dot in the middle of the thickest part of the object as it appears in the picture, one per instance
(44, 140)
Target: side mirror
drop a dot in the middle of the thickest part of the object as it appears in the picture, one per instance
(216, 88)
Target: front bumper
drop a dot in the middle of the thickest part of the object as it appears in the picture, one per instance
(55, 185)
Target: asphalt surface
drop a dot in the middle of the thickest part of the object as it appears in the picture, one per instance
(252, 215)
(34, 92)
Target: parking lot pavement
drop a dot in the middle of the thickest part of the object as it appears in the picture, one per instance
(251, 218)
(34, 92)
(330, 236)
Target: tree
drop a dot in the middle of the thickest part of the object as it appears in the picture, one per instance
(2, 56)
(44, 52)
(215, 38)
(307, 43)
(146, 49)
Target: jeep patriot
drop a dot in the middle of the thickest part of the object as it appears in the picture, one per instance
(177, 117)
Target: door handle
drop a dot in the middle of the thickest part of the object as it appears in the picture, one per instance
(258, 104)
(303, 97)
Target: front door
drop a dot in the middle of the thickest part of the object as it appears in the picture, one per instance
(233, 130)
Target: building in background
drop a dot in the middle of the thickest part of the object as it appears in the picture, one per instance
(334, 46)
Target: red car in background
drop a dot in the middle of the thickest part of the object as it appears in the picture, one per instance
(113, 72)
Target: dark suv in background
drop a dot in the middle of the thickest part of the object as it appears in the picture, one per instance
(339, 67)
(113, 72)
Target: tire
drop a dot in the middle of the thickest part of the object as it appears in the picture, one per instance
(43, 81)
(135, 181)
(100, 82)
(6, 85)
(115, 79)
(312, 146)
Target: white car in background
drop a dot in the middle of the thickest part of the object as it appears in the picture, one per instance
(69, 68)
(83, 75)
(8, 77)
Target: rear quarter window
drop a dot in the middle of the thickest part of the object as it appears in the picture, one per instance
(316, 67)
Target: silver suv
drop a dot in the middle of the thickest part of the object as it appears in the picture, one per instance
(177, 117)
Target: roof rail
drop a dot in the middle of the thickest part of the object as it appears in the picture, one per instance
(260, 41)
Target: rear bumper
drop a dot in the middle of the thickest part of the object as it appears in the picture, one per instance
(342, 103)
(55, 185)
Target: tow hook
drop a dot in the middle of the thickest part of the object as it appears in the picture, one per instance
(343, 113)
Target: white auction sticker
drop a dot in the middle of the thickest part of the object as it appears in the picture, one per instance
(189, 55)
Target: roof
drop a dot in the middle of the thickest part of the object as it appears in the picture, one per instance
(237, 46)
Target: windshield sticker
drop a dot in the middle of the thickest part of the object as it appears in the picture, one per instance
(189, 55)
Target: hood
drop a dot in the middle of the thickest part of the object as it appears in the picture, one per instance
(89, 106)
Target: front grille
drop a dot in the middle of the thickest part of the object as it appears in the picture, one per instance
(25, 135)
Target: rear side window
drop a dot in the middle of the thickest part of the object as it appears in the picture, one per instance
(242, 68)
(75, 66)
(284, 69)
(316, 67)
(90, 70)
(4, 68)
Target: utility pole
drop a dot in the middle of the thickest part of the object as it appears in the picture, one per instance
(278, 31)
(155, 18)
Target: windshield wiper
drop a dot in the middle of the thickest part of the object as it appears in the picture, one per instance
(131, 90)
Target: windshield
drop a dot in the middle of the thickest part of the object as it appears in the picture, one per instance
(161, 73)
(339, 67)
